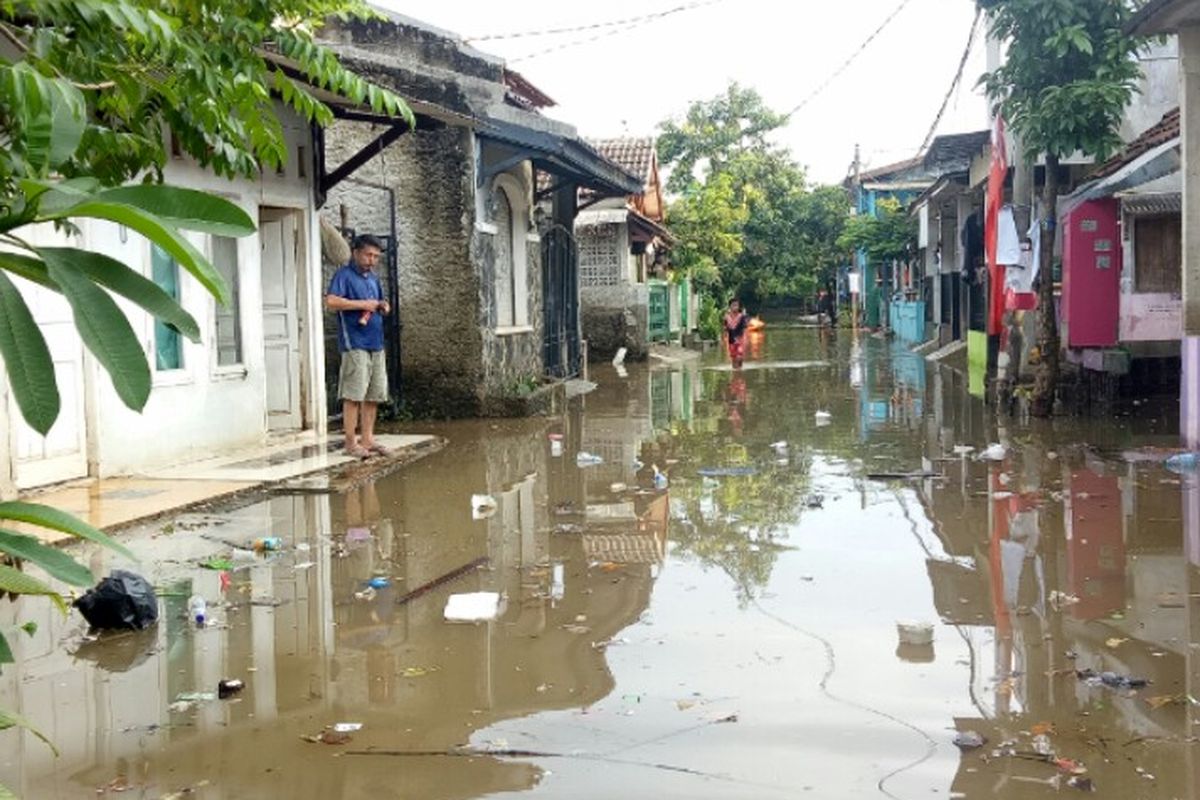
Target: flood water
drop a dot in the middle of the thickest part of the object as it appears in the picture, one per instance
(733, 635)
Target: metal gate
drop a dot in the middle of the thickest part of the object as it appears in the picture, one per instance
(660, 313)
(560, 303)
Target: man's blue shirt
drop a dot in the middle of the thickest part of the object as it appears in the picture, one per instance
(351, 284)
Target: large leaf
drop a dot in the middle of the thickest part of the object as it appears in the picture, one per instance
(105, 330)
(10, 720)
(159, 232)
(52, 559)
(69, 118)
(32, 110)
(46, 517)
(17, 582)
(27, 267)
(118, 278)
(184, 208)
(27, 360)
(57, 197)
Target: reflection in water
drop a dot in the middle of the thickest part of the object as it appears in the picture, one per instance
(727, 560)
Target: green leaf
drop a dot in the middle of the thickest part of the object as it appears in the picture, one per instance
(6, 653)
(17, 582)
(105, 330)
(30, 629)
(8, 719)
(184, 208)
(44, 516)
(69, 118)
(118, 278)
(53, 560)
(27, 267)
(162, 234)
(27, 360)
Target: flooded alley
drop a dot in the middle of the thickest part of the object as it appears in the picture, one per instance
(702, 571)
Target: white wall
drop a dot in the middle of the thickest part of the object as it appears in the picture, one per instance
(203, 410)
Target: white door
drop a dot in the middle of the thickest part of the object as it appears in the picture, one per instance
(62, 454)
(281, 319)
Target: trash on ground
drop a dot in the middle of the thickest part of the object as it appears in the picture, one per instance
(660, 479)
(303, 565)
(1115, 642)
(994, 452)
(815, 501)
(483, 506)
(218, 564)
(1060, 600)
(726, 472)
(915, 632)
(619, 358)
(1183, 462)
(417, 672)
(1081, 783)
(358, 534)
(267, 544)
(1110, 679)
(228, 687)
(969, 740)
(198, 610)
(473, 607)
(618, 487)
(122, 600)
(379, 582)
(583, 459)
(328, 737)
(348, 727)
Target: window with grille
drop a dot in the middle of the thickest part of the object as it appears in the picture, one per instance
(599, 256)
(1158, 254)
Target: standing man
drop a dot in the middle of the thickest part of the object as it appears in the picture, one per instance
(357, 296)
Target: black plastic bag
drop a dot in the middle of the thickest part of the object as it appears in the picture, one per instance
(122, 600)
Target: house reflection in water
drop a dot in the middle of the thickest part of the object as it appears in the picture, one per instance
(316, 644)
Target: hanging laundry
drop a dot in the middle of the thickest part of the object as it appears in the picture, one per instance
(1008, 241)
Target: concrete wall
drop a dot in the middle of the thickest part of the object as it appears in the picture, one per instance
(616, 317)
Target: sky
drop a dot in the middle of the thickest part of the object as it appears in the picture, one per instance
(628, 82)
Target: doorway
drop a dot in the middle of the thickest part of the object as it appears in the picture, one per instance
(281, 234)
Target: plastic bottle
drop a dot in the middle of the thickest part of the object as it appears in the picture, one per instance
(198, 610)
(268, 544)
(1184, 462)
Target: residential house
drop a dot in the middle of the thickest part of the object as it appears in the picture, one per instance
(904, 182)
(625, 298)
(257, 371)
(486, 282)
(1122, 256)
(949, 257)
(1182, 17)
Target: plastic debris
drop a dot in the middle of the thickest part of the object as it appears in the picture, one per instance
(617, 488)
(122, 600)
(328, 736)
(218, 564)
(417, 672)
(969, 740)
(379, 582)
(660, 479)
(473, 607)
(1110, 679)
(197, 610)
(1115, 642)
(918, 633)
(483, 506)
(823, 416)
(304, 565)
(1059, 600)
(1183, 462)
(1081, 783)
(356, 535)
(267, 544)
(583, 459)
(963, 450)
(619, 358)
(994, 452)
(780, 447)
(348, 727)
(228, 687)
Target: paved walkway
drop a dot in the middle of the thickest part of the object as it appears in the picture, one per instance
(111, 503)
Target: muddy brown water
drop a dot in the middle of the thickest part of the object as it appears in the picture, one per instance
(733, 636)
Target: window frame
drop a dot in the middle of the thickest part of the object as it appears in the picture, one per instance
(238, 369)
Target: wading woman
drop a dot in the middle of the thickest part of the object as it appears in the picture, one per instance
(735, 332)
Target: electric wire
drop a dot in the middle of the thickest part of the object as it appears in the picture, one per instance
(849, 60)
(954, 84)
(590, 26)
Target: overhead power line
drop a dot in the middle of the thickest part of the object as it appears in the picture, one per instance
(954, 84)
(850, 60)
(490, 37)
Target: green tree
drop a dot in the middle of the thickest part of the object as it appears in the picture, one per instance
(89, 90)
(748, 221)
(889, 235)
(1069, 73)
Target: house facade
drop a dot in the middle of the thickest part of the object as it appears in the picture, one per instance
(623, 250)
(486, 280)
(256, 372)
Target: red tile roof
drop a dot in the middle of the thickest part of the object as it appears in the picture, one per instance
(1164, 131)
(634, 154)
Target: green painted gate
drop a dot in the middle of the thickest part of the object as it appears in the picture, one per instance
(660, 312)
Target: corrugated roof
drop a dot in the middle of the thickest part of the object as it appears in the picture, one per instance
(635, 154)
(956, 150)
(1164, 131)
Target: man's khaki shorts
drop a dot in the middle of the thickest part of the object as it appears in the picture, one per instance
(363, 377)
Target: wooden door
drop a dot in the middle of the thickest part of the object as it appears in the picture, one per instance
(279, 233)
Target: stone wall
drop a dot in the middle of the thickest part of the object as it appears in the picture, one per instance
(616, 317)
(439, 285)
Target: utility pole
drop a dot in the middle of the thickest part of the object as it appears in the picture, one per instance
(857, 271)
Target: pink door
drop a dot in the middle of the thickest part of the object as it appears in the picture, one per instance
(1092, 274)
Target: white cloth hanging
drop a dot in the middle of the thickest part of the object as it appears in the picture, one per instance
(1008, 241)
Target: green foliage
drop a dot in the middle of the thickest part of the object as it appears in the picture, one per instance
(709, 322)
(116, 75)
(747, 220)
(1069, 73)
(889, 235)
